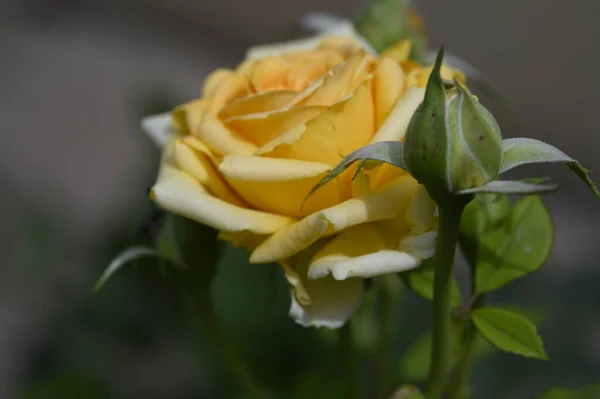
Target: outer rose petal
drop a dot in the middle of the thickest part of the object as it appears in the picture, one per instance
(177, 192)
(387, 246)
(343, 29)
(365, 251)
(158, 128)
(384, 203)
(322, 303)
(198, 165)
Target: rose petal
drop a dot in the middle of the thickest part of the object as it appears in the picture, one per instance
(187, 117)
(177, 192)
(279, 185)
(198, 165)
(338, 82)
(343, 29)
(368, 251)
(222, 140)
(388, 86)
(399, 52)
(384, 203)
(260, 128)
(336, 132)
(259, 102)
(222, 86)
(395, 125)
(261, 169)
(158, 128)
(322, 303)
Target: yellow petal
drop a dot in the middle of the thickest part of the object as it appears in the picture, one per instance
(400, 51)
(324, 302)
(259, 102)
(419, 75)
(269, 74)
(178, 193)
(222, 140)
(279, 185)
(337, 83)
(198, 145)
(187, 117)
(388, 86)
(223, 86)
(341, 129)
(421, 212)
(261, 169)
(260, 128)
(385, 203)
(395, 125)
(199, 166)
(213, 81)
(362, 252)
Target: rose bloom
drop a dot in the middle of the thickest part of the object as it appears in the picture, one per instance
(243, 157)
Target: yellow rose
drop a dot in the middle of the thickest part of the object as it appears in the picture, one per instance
(243, 157)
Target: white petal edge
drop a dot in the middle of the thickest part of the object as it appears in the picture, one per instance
(409, 255)
(365, 266)
(158, 128)
(329, 303)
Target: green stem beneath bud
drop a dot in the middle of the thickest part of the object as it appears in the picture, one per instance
(450, 213)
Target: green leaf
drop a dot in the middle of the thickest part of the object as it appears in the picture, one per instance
(509, 331)
(420, 280)
(182, 244)
(510, 187)
(128, 256)
(391, 152)
(588, 392)
(408, 392)
(517, 247)
(522, 151)
(482, 214)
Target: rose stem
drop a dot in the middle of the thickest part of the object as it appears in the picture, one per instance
(449, 220)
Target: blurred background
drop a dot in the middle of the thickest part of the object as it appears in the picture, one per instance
(75, 78)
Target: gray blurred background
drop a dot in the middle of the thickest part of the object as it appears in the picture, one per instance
(75, 77)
